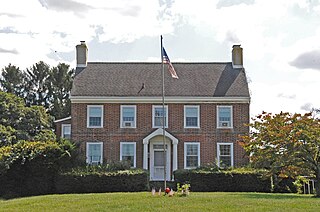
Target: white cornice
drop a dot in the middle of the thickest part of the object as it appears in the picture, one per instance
(64, 119)
(169, 99)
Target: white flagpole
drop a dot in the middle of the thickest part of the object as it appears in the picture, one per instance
(163, 122)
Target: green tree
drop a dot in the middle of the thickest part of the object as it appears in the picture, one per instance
(20, 122)
(285, 144)
(37, 84)
(60, 80)
(7, 135)
(12, 80)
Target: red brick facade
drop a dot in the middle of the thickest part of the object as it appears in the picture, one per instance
(208, 135)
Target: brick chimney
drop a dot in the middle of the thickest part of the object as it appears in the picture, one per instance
(82, 55)
(237, 57)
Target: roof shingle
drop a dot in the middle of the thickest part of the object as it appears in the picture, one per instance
(126, 79)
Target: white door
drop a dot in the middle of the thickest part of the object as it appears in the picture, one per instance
(157, 162)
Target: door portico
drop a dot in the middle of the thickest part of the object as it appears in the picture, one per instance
(154, 143)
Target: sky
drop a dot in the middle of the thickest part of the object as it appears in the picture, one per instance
(280, 39)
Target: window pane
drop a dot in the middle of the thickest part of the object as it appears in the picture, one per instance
(225, 150)
(191, 121)
(94, 152)
(225, 161)
(159, 112)
(225, 156)
(128, 114)
(128, 149)
(95, 111)
(192, 112)
(66, 132)
(128, 153)
(95, 116)
(95, 121)
(192, 155)
(158, 117)
(158, 121)
(192, 149)
(130, 159)
(224, 113)
(192, 161)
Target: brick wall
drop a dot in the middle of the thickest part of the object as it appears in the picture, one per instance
(58, 127)
(208, 135)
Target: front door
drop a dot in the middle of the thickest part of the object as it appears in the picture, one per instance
(157, 162)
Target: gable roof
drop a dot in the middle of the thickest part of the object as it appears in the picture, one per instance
(126, 79)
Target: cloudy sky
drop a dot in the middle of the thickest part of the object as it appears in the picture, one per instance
(280, 39)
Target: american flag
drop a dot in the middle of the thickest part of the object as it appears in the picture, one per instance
(170, 66)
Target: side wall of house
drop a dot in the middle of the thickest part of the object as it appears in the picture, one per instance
(208, 135)
(58, 127)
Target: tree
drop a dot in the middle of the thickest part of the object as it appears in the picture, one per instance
(18, 122)
(12, 80)
(285, 144)
(41, 85)
(37, 85)
(60, 80)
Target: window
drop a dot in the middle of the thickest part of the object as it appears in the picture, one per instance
(128, 116)
(66, 131)
(128, 152)
(224, 114)
(225, 154)
(157, 116)
(191, 117)
(191, 155)
(94, 153)
(94, 116)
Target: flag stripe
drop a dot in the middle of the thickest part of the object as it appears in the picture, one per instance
(170, 66)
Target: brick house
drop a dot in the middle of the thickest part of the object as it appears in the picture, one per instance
(117, 113)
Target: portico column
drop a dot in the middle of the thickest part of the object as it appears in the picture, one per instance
(175, 156)
(145, 155)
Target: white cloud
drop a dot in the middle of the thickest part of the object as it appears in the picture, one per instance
(272, 35)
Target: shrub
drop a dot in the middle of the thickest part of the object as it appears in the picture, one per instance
(29, 168)
(229, 180)
(92, 180)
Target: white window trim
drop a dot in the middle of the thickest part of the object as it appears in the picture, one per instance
(87, 152)
(231, 116)
(218, 152)
(185, 154)
(134, 152)
(185, 116)
(88, 109)
(135, 116)
(62, 131)
(153, 112)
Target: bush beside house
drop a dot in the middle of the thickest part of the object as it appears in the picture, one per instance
(202, 180)
(116, 181)
(30, 167)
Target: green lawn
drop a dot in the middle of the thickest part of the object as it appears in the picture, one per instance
(144, 201)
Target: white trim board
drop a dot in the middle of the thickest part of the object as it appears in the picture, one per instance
(169, 99)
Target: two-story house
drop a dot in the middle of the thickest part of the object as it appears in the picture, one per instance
(117, 113)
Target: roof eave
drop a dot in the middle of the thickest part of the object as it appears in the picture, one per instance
(158, 99)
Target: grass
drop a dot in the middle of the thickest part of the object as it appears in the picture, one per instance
(144, 201)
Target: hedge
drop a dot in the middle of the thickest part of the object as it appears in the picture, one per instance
(118, 181)
(30, 167)
(223, 181)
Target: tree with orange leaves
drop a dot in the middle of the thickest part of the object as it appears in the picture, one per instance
(285, 144)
